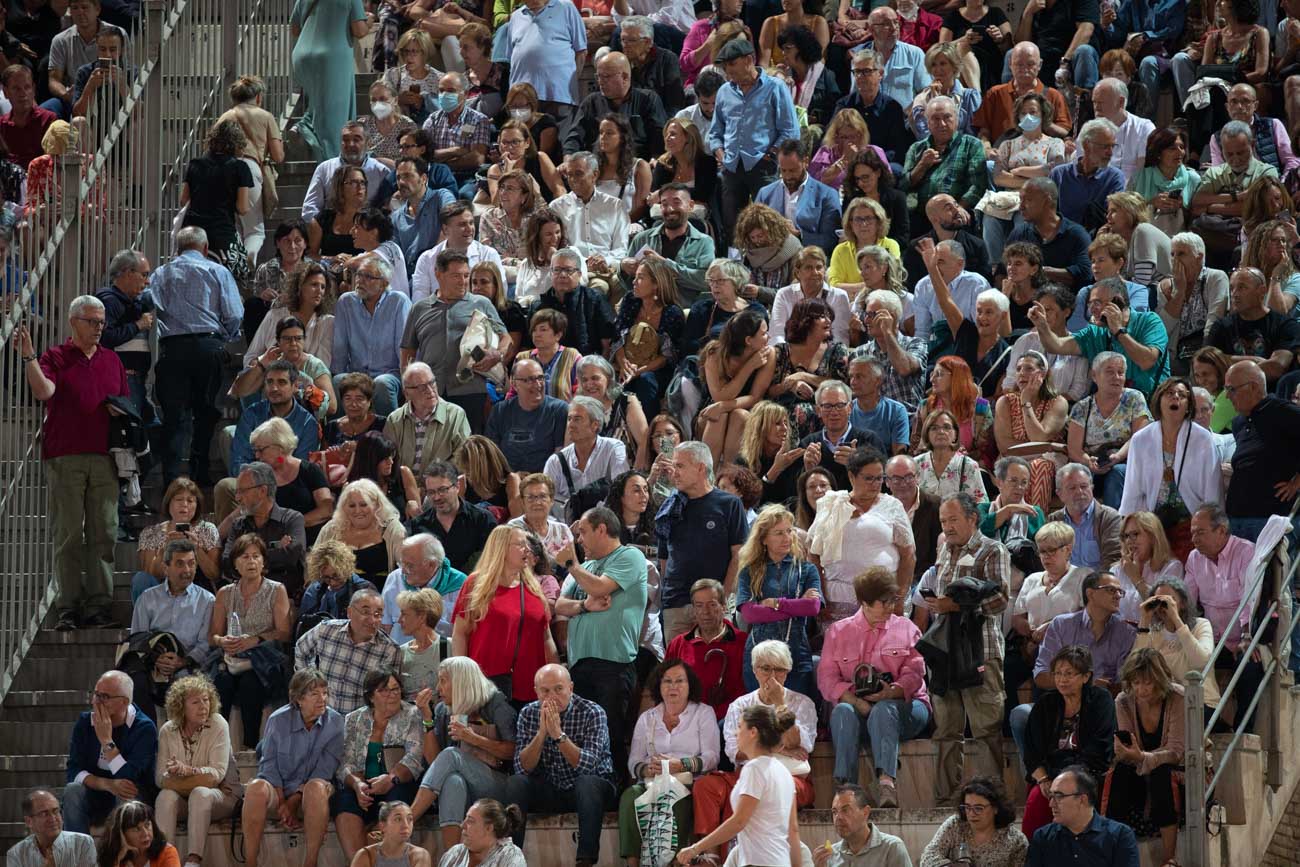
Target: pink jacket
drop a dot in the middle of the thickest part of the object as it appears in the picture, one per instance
(890, 648)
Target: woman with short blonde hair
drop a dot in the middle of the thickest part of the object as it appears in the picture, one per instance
(1146, 559)
(1147, 252)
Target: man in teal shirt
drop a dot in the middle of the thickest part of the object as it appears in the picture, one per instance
(1139, 336)
(605, 599)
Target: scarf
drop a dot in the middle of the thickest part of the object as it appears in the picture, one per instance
(771, 258)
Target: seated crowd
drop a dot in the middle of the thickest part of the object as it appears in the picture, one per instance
(850, 380)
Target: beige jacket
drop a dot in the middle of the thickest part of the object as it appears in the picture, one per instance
(212, 755)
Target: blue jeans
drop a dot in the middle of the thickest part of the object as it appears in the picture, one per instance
(889, 723)
(1019, 723)
(388, 392)
(995, 234)
(1112, 485)
(1083, 70)
(140, 582)
(59, 107)
(459, 780)
(84, 807)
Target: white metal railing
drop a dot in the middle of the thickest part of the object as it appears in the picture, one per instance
(119, 187)
(1283, 614)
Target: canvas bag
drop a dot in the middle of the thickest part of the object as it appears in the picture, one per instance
(654, 816)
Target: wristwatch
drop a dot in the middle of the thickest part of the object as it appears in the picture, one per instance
(1123, 330)
(107, 748)
(562, 739)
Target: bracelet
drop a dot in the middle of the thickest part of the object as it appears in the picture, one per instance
(28, 359)
(428, 725)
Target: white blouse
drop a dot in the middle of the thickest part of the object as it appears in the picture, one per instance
(1130, 604)
(1042, 603)
(696, 734)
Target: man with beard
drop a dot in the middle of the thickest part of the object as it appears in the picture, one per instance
(687, 250)
(417, 223)
(379, 181)
(811, 207)
(949, 223)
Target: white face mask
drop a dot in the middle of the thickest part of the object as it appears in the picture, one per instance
(521, 114)
(381, 110)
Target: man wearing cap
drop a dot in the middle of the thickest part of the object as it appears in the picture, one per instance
(753, 115)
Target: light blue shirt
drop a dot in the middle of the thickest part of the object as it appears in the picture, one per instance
(194, 295)
(888, 421)
(1087, 550)
(964, 288)
(541, 49)
(379, 185)
(1137, 300)
(366, 342)
(746, 126)
(904, 75)
(417, 234)
(395, 584)
(187, 616)
(303, 423)
(291, 755)
(968, 102)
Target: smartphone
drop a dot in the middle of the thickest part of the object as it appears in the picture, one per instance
(414, 88)
(103, 63)
(665, 445)
(927, 593)
(273, 545)
(182, 528)
(1125, 738)
(1284, 216)
(477, 353)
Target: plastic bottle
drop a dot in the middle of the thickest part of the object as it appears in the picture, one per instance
(233, 628)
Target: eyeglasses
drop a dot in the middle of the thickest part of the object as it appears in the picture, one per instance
(93, 323)
(510, 141)
(565, 272)
(388, 690)
(1230, 390)
(355, 182)
(292, 338)
(1131, 534)
(870, 480)
(536, 498)
(1047, 552)
(257, 450)
(975, 809)
(863, 220)
(901, 480)
(1114, 591)
(103, 697)
(865, 71)
(837, 406)
(438, 492)
(1057, 797)
(374, 278)
(429, 385)
(530, 380)
(771, 669)
(249, 488)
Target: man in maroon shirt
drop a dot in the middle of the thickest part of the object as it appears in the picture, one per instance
(74, 381)
(24, 126)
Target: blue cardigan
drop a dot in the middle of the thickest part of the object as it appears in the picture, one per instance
(137, 742)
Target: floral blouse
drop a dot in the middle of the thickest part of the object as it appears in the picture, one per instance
(962, 475)
(1113, 430)
(404, 730)
(1008, 848)
(155, 538)
(386, 146)
(803, 415)
(494, 229)
(1020, 151)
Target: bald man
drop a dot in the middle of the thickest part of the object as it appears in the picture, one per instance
(562, 759)
(616, 95)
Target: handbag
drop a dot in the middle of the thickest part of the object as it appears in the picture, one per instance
(660, 836)
(1171, 514)
(505, 682)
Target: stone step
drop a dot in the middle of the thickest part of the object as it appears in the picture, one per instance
(23, 738)
(48, 706)
(31, 770)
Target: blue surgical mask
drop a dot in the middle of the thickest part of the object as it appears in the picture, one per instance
(448, 101)
(1030, 122)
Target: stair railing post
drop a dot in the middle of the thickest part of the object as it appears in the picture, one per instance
(232, 18)
(1194, 762)
(68, 268)
(151, 167)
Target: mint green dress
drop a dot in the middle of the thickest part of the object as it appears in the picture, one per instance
(325, 70)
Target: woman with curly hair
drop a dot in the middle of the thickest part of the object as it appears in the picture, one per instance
(768, 448)
(650, 326)
(619, 171)
(868, 174)
(133, 839)
(865, 225)
(768, 248)
(502, 226)
(630, 499)
(1024, 263)
(815, 88)
(290, 285)
(367, 522)
(952, 387)
(195, 775)
(984, 826)
(1165, 181)
(737, 369)
(806, 359)
(500, 592)
(742, 483)
(488, 480)
(1271, 251)
(543, 235)
(375, 458)
(217, 190)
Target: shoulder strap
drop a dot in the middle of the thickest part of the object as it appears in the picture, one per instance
(568, 474)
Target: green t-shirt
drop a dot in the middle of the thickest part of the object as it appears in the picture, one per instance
(1143, 326)
(614, 634)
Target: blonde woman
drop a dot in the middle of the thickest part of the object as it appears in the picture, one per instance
(768, 447)
(1146, 560)
(502, 618)
(488, 479)
(194, 772)
(414, 80)
(331, 581)
(882, 274)
(474, 727)
(366, 521)
(685, 160)
(846, 137)
(778, 591)
(944, 63)
(1129, 216)
(865, 225)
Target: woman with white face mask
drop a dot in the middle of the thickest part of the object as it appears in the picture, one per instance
(385, 125)
(1032, 154)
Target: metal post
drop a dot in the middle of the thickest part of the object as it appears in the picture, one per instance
(152, 169)
(231, 21)
(1198, 854)
(70, 267)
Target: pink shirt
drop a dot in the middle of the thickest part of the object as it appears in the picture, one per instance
(1218, 586)
(888, 648)
(699, 34)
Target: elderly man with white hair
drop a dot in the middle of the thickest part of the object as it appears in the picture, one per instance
(1085, 182)
(595, 222)
(423, 563)
(945, 161)
(963, 287)
(75, 380)
(111, 755)
(903, 357)
(1190, 301)
(588, 458)
(1109, 98)
(977, 337)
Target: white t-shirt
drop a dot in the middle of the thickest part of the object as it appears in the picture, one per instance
(766, 839)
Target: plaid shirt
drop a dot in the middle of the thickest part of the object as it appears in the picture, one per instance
(908, 390)
(471, 128)
(985, 560)
(344, 663)
(585, 724)
(962, 172)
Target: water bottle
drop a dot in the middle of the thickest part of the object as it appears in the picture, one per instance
(233, 629)
(963, 856)
(1063, 78)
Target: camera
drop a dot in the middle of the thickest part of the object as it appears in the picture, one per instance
(867, 681)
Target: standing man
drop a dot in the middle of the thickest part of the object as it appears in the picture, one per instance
(368, 327)
(434, 331)
(418, 222)
(967, 553)
(562, 760)
(111, 755)
(922, 509)
(528, 427)
(605, 599)
(426, 428)
(541, 37)
(754, 114)
(460, 134)
(75, 381)
(903, 65)
(808, 205)
(128, 317)
(1086, 183)
(199, 311)
(1266, 465)
(700, 530)
(1079, 834)
(46, 841)
(72, 49)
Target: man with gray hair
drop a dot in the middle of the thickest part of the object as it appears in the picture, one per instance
(1218, 204)
(871, 411)
(831, 447)
(1109, 98)
(963, 287)
(199, 311)
(591, 318)
(76, 380)
(1085, 183)
(347, 648)
(945, 161)
(423, 564)
(369, 323)
(653, 68)
(903, 357)
(587, 460)
(111, 754)
(1096, 526)
(1272, 140)
(128, 317)
(615, 95)
(1253, 332)
(461, 135)
(1063, 241)
(280, 528)
(700, 530)
(595, 222)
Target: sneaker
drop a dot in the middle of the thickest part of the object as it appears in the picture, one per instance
(100, 620)
(888, 796)
(67, 622)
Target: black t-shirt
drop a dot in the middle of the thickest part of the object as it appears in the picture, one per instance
(670, 247)
(988, 370)
(1266, 454)
(986, 51)
(1054, 28)
(1258, 337)
(297, 495)
(214, 182)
